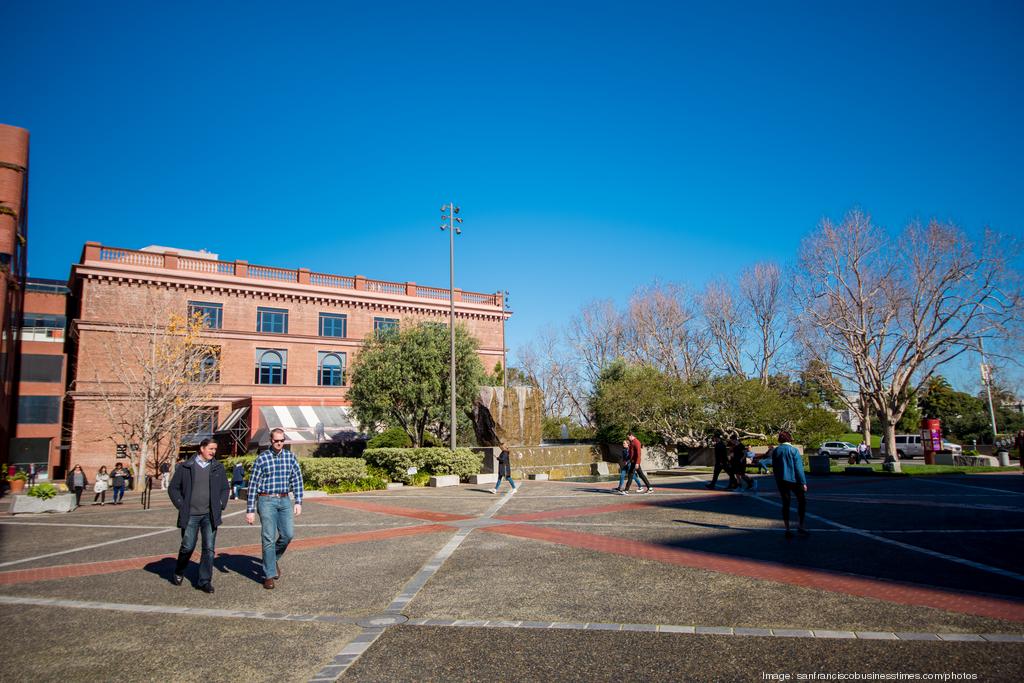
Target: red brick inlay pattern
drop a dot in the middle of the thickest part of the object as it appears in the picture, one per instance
(70, 571)
(816, 579)
(393, 510)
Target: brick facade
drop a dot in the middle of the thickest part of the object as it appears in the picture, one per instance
(113, 285)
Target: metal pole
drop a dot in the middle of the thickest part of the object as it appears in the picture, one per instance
(504, 349)
(986, 379)
(451, 301)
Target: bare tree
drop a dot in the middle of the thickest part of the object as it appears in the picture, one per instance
(596, 337)
(762, 293)
(726, 327)
(883, 314)
(664, 331)
(159, 376)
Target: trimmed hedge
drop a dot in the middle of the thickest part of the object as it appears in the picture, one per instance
(390, 438)
(397, 461)
(317, 473)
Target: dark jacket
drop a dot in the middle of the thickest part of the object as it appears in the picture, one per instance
(624, 458)
(721, 453)
(71, 480)
(635, 450)
(180, 491)
(238, 474)
(504, 470)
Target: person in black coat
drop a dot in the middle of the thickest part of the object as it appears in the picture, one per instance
(721, 464)
(237, 479)
(77, 481)
(199, 490)
(504, 469)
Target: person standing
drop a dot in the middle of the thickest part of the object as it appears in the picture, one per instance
(237, 479)
(1020, 447)
(101, 486)
(721, 464)
(165, 475)
(739, 467)
(199, 491)
(790, 480)
(274, 474)
(77, 481)
(504, 469)
(624, 462)
(31, 475)
(118, 479)
(635, 469)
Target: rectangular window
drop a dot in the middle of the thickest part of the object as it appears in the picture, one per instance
(385, 325)
(330, 369)
(274, 320)
(38, 409)
(333, 325)
(212, 313)
(44, 320)
(203, 422)
(37, 367)
(271, 366)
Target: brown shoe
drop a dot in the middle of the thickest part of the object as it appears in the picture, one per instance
(268, 584)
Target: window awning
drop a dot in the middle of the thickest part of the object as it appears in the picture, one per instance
(307, 424)
(232, 419)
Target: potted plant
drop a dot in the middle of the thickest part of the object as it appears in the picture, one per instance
(17, 481)
(43, 497)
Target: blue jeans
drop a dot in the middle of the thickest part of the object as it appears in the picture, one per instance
(118, 493)
(498, 483)
(235, 488)
(277, 523)
(197, 523)
(622, 477)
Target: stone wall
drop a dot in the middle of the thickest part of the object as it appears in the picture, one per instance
(511, 415)
(558, 462)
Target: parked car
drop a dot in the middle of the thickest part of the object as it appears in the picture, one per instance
(837, 449)
(909, 446)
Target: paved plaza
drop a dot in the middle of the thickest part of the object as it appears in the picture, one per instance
(561, 581)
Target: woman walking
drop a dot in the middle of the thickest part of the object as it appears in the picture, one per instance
(504, 469)
(624, 463)
(101, 486)
(118, 479)
(77, 481)
(790, 480)
(739, 466)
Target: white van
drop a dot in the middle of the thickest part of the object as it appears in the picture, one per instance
(909, 446)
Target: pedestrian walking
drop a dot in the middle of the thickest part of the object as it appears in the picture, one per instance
(199, 491)
(118, 479)
(624, 462)
(101, 486)
(274, 474)
(31, 475)
(788, 467)
(237, 479)
(721, 464)
(504, 469)
(635, 453)
(165, 475)
(77, 481)
(863, 453)
(739, 467)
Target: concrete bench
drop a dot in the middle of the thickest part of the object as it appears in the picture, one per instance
(539, 476)
(444, 480)
(484, 478)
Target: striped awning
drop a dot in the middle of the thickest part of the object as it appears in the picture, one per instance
(307, 424)
(232, 419)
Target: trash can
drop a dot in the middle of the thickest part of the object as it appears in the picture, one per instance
(1004, 457)
(820, 464)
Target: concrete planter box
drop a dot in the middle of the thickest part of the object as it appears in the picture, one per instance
(539, 476)
(28, 505)
(444, 480)
(966, 460)
(485, 478)
(820, 464)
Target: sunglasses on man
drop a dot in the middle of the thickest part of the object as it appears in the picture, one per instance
(277, 441)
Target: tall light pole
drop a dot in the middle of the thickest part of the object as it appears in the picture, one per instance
(452, 219)
(504, 349)
(986, 379)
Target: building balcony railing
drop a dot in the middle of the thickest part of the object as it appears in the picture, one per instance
(242, 269)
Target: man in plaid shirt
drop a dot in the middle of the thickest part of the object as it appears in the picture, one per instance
(275, 472)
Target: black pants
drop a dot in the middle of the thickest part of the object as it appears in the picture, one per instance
(739, 471)
(639, 471)
(101, 496)
(786, 490)
(78, 495)
(722, 466)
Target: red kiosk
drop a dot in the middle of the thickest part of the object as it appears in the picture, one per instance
(931, 439)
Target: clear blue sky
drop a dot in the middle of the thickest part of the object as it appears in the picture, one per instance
(593, 146)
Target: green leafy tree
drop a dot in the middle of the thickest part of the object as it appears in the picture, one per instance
(401, 379)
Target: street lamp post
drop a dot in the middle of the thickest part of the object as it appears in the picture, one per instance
(452, 219)
(986, 379)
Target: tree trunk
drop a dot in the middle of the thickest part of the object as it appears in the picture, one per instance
(865, 420)
(889, 434)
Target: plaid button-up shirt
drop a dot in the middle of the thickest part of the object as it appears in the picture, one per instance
(274, 474)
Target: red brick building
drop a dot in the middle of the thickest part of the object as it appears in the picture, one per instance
(42, 377)
(286, 337)
(13, 246)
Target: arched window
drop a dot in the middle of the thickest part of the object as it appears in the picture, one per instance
(270, 367)
(331, 371)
